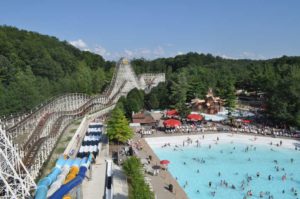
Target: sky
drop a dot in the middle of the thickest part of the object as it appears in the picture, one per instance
(252, 29)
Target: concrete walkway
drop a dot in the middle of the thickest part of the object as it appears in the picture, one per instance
(161, 182)
(95, 186)
(120, 185)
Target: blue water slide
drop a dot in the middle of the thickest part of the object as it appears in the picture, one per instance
(64, 189)
(42, 188)
(61, 177)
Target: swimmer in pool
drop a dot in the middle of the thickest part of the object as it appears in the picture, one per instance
(213, 193)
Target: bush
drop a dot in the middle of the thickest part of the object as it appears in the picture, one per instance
(138, 189)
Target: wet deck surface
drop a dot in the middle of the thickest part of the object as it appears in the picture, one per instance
(161, 182)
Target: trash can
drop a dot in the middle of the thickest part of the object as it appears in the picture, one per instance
(170, 187)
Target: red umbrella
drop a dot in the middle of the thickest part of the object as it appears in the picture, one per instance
(172, 112)
(195, 117)
(247, 121)
(165, 162)
(172, 123)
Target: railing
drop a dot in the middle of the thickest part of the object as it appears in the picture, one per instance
(38, 108)
(35, 146)
(55, 117)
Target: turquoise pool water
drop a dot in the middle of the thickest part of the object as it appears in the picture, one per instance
(235, 165)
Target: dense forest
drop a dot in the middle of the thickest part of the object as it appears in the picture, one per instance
(35, 67)
(191, 75)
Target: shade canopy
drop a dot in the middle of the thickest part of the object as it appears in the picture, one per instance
(172, 112)
(172, 123)
(165, 162)
(195, 117)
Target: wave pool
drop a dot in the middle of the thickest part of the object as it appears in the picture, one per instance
(234, 170)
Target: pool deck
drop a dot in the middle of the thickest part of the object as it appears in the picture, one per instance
(161, 181)
(224, 137)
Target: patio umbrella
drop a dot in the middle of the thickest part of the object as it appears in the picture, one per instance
(164, 162)
(195, 117)
(247, 121)
(172, 112)
(172, 123)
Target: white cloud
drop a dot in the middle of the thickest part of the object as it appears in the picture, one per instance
(251, 55)
(145, 52)
(79, 44)
(138, 53)
(128, 53)
(179, 53)
(148, 53)
(98, 49)
(101, 51)
(227, 56)
(159, 51)
(169, 45)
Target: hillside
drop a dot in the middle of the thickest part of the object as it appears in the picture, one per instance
(35, 67)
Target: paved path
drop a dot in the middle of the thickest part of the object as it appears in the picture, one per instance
(120, 185)
(94, 187)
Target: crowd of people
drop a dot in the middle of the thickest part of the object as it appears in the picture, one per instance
(213, 127)
(247, 180)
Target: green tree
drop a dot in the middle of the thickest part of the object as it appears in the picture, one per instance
(118, 127)
(138, 189)
(134, 102)
(183, 110)
(98, 80)
(23, 92)
(178, 94)
(153, 101)
(56, 68)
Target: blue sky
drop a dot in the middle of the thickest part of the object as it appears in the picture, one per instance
(255, 29)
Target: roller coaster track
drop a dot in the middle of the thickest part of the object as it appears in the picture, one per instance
(34, 147)
(40, 107)
(44, 120)
(30, 138)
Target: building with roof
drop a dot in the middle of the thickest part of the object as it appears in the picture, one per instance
(210, 105)
(144, 119)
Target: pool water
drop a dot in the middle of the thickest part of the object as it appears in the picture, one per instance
(235, 165)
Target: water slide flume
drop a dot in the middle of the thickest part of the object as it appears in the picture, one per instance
(42, 188)
(61, 178)
(66, 188)
(67, 174)
(72, 174)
